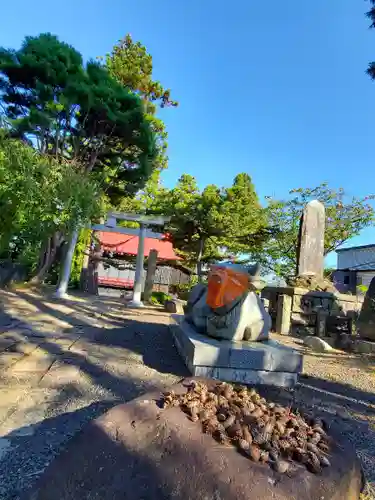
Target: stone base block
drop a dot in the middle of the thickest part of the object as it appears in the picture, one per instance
(266, 362)
(251, 377)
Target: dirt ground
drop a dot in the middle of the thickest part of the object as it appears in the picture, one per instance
(63, 363)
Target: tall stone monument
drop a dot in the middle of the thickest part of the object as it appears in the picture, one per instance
(311, 241)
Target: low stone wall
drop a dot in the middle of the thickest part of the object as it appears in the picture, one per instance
(9, 272)
(301, 306)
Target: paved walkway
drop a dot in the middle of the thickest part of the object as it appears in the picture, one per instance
(63, 363)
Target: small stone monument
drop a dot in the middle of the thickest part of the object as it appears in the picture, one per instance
(366, 320)
(311, 241)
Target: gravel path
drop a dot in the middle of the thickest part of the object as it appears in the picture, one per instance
(342, 385)
(64, 363)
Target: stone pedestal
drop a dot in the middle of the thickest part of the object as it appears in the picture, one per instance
(266, 362)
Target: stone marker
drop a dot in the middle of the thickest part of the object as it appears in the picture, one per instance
(284, 311)
(311, 240)
(366, 320)
(174, 306)
(150, 276)
(321, 322)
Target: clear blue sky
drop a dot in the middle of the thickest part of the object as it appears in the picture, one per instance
(275, 89)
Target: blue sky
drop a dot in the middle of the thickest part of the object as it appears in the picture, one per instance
(275, 89)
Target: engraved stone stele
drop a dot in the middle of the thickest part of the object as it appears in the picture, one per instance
(311, 240)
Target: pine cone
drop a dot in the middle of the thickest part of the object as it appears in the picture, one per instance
(313, 448)
(280, 427)
(300, 455)
(235, 431)
(211, 426)
(244, 445)
(262, 435)
(221, 437)
(247, 434)
(254, 453)
(323, 446)
(257, 413)
(229, 421)
(313, 463)
(315, 438)
(281, 466)
(222, 402)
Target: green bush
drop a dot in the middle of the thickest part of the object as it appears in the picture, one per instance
(362, 289)
(159, 298)
(182, 290)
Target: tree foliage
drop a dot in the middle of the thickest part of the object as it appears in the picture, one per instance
(211, 224)
(131, 65)
(345, 218)
(78, 115)
(39, 197)
(76, 112)
(371, 15)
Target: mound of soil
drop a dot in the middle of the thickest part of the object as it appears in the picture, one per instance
(139, 451)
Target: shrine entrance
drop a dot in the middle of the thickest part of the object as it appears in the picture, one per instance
(144, 231)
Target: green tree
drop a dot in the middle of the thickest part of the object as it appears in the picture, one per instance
(211, 224)
(40, 199)
(371, 15)
(132, 66)
(345, 218)
(75, 112)
(245, 219)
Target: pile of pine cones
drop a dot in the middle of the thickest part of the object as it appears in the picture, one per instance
(263, 431)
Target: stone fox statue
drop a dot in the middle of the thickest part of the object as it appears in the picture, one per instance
(229, 307)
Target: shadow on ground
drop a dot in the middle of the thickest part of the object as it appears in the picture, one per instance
(152, 343)
(136, 343)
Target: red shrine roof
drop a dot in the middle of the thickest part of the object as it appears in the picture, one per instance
(127, 244)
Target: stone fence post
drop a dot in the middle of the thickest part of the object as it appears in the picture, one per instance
(283, 316)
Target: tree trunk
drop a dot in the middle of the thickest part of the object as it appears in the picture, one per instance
(47, 258)
(199, 259)
(89, 273)
(84, 279)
